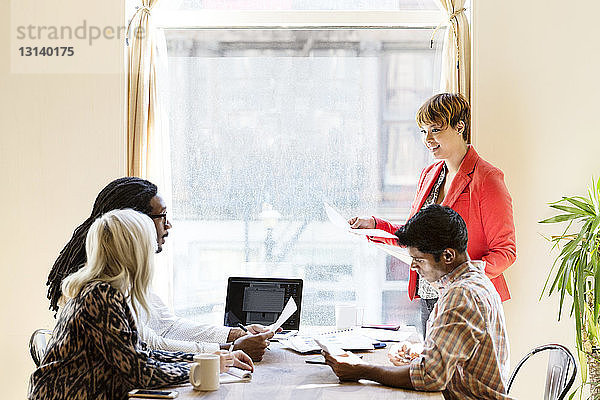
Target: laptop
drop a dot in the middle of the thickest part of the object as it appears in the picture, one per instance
(261, 301)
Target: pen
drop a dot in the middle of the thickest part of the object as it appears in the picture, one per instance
(231, 347)
(242, 327)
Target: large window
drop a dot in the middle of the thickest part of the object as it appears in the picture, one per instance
(266, 125)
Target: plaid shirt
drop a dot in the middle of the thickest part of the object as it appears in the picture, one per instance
(466, 349)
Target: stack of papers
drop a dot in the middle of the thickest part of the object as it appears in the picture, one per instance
(385, 335)
(347, 340)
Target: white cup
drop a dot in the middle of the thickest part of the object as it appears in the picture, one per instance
(204, 374)
(345, 316)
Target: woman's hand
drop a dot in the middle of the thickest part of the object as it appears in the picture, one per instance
(242, 360)
(236, 358)
(226, 360)
(362, 223)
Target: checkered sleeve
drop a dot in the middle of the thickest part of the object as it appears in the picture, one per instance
(453, 336)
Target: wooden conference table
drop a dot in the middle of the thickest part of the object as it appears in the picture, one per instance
(284, 374)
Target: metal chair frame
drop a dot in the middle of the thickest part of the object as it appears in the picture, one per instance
(560, 362)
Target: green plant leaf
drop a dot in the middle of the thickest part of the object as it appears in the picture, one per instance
(559, 218)
(572, 210)
(584, 205)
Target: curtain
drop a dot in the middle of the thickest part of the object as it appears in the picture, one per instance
(146, 125)
(148, 147)
(456, 58)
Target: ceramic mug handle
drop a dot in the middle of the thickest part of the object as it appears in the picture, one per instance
(193, 381)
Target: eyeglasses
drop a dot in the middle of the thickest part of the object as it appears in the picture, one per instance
(157, 216)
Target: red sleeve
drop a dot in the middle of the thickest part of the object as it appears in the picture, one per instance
(385, 226)
(392, 228)
(498, 224)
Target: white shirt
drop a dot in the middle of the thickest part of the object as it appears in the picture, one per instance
(166, 331)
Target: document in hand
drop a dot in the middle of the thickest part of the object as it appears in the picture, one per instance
(289, 309)
(339, 221)
(235, 374)
(399, 252)
(337, 352)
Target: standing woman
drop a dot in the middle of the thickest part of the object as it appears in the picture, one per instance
(465, 182)
(95, 351)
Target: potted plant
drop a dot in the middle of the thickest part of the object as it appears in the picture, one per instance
(576, 273)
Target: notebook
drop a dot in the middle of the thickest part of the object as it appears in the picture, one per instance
(235, 374)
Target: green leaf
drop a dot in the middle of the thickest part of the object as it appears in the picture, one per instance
(559, 218)
(584, 205)
(572, 210)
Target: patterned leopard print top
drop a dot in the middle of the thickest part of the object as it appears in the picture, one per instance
(95, 352)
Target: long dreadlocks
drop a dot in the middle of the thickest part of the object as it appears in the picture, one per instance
(129, 192)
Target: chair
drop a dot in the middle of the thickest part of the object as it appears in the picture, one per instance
(560, 374)
(37, 344)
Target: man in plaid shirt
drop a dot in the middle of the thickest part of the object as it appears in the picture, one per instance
(465, 353)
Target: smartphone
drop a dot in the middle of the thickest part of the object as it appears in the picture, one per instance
(154, 394)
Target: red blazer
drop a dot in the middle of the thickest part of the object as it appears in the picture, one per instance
(479, 195)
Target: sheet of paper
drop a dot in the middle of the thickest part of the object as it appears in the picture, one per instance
(287, 312)
(234, 375)
(341, 222)
(399, 252)
(337, 352)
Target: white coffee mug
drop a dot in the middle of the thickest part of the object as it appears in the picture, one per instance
(345, 316)
(204, 374)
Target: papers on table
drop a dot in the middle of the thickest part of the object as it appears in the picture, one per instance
(235, 374)
(341, 222)
(346, 340)
(385, 335)
(289, 309)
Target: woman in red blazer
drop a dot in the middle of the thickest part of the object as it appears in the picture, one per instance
(462, 180)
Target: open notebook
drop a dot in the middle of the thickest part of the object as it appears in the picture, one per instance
(235, 375)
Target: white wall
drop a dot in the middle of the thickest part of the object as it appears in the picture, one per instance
(535, 112)
(61, 140)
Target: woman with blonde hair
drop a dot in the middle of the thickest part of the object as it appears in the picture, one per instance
(95, 351)
(465, 182)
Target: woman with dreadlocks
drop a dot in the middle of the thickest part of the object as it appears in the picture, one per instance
(163, 330)
(94, 351)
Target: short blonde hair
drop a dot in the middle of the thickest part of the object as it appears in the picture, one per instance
(446, 109)
(120, 248)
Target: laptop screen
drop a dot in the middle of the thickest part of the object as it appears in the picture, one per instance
(261, 300)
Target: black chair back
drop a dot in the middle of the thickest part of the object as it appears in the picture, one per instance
(560, 374)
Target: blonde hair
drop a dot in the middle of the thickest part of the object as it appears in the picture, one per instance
(446, 109)
(120, 247)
